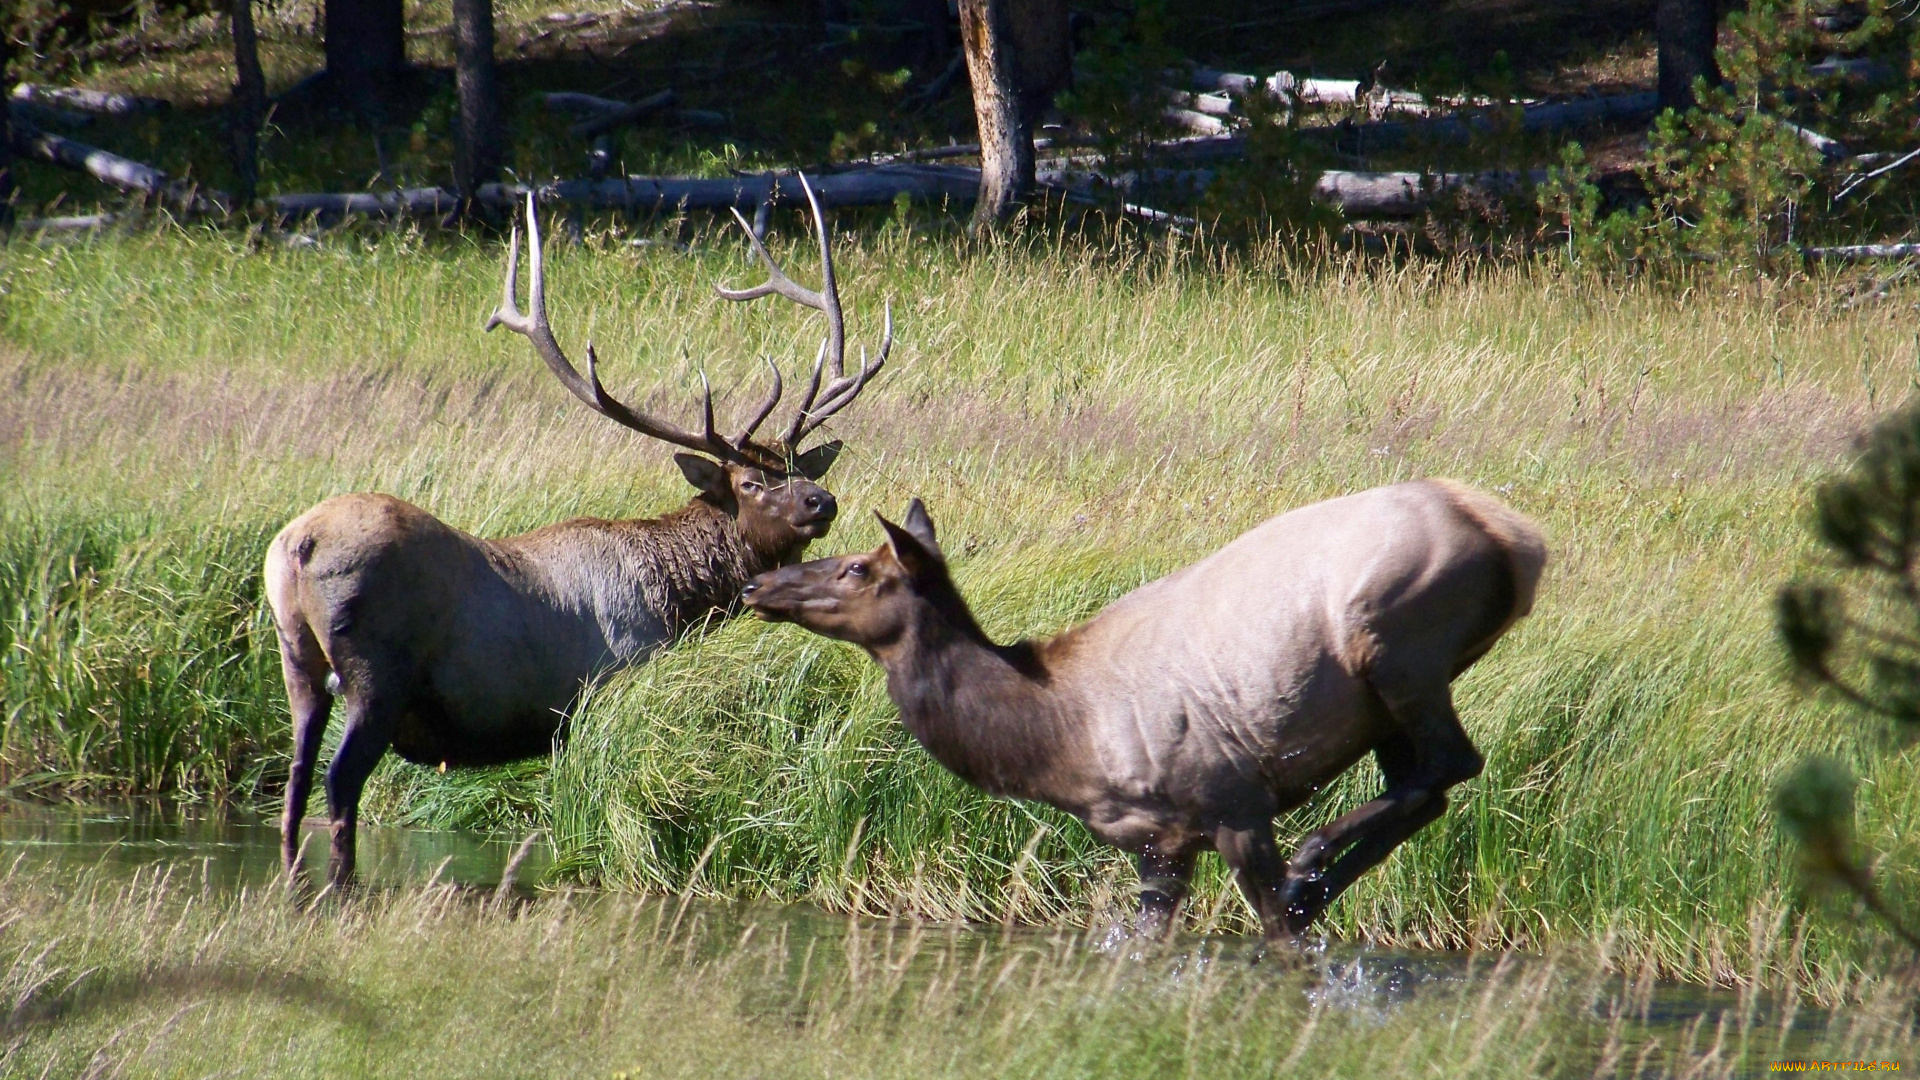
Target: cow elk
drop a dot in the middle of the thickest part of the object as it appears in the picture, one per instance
(455, 650)
(1193, 710)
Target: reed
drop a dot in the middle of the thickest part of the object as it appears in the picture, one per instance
(1081, 415)
(158, 977)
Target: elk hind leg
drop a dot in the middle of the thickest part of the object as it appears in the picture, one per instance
(304, 668)
(1427, 753)
(369, 731)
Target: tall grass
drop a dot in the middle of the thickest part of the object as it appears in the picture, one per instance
(1081, 418)
(158, 978)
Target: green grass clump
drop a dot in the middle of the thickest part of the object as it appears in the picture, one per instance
(156, 977)
(1081, 417)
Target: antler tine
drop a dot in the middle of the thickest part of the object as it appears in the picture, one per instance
(836, 325)
(793, 436)
(535, 328)
(841, 392)
(765, 410)
(826, 301)
(817, 405)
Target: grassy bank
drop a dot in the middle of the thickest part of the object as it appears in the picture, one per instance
(155, 978)
(1080, 418)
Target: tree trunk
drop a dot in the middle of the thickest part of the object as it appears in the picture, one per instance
(477, 149)
(248, 101)
(1042, 54)
(1006, 137)
(366, 49)
(1685, 30)
(6, 131)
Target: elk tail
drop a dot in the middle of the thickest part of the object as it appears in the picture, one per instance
(1517, 537)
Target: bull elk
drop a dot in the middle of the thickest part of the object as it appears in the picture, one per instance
(1193, 710)
(455, 650)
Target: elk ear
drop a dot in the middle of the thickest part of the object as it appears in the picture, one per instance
(920, 524)
(814, 463)
(708, 476)
(918, 558)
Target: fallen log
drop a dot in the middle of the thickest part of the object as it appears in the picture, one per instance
(111, 169)
(89, 101)
(1855, 70)
(625, 114)
(1309, 90)
(1195, 121)
(1830, 149)
(875, 186)
(71, 223)
(1849, 252)
(1461, 127)
(1400, 194)
(1356, 194)
(33, 112)
(1211, 104)
(407, 202)
(566, 101)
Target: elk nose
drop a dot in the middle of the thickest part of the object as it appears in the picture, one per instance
(747, 593)
(821, 504)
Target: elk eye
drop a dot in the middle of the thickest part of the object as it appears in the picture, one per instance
(749, 486)
(858, 569)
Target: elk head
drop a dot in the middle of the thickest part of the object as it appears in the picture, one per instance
(771, 490)
(869, 598)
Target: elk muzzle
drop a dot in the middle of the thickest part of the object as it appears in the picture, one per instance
(788, 593)
(815, 513)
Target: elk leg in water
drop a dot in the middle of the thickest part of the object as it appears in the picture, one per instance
(1307, 897)
(369, 730)
(1163, 886)
(1427, 755)
(304, 667)
(1257, 866)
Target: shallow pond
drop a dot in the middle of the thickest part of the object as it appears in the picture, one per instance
(229, 852)
(1362, 984)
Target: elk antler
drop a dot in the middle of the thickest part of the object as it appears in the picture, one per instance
(535, 328)
(817, 405)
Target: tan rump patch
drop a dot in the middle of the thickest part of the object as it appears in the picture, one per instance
(1516, 535)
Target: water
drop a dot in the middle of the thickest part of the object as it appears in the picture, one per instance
(234, 851)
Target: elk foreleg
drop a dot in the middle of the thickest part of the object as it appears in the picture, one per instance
(1261, 873)
(1164, 880)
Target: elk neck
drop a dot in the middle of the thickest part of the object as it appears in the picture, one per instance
(698, 562)
(993, 714)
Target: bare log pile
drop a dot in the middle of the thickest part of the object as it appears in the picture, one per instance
(1357, 193)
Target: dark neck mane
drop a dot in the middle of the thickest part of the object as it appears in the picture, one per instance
(696, 562)
(988, 712)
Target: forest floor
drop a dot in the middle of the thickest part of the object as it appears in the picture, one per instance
(778, 89)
